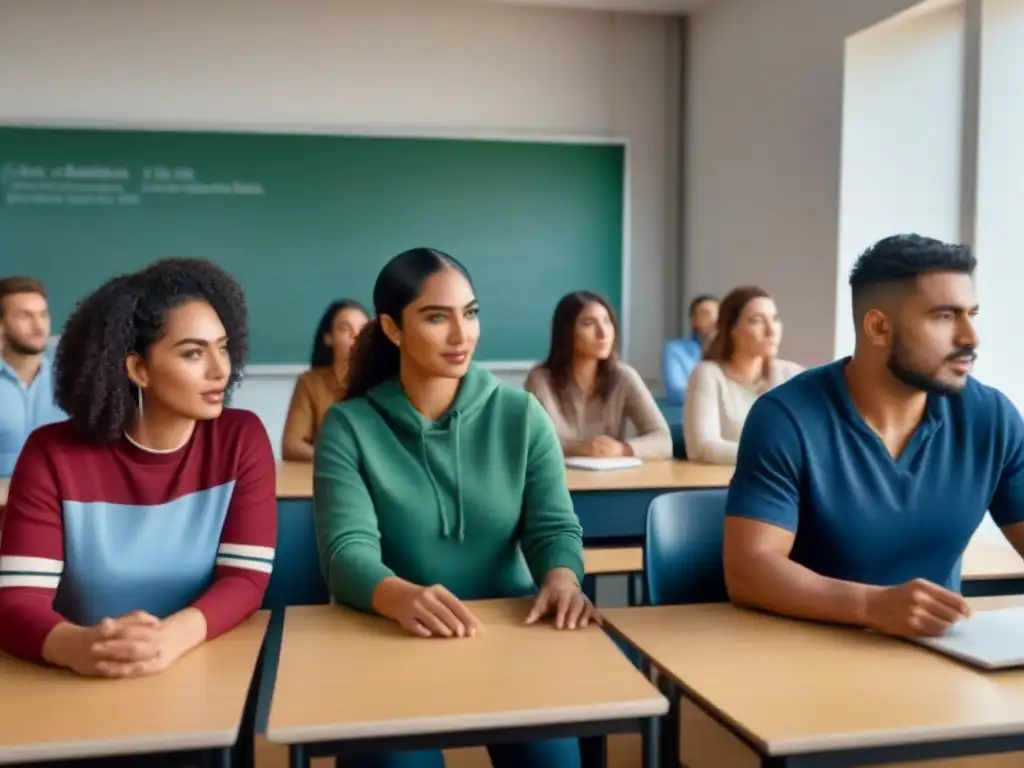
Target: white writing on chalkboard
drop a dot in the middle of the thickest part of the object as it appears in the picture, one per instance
(76, 184)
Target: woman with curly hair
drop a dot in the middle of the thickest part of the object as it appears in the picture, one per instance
(146, 524)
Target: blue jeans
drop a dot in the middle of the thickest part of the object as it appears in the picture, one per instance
(548, 753)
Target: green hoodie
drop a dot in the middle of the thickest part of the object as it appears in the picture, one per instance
(476, 501)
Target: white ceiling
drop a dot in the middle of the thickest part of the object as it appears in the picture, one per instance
(666, 7)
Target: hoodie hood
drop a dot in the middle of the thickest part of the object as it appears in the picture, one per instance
(440, 442)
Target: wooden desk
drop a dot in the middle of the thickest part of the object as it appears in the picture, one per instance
(987, 560)
(195, 706)
(602, 561)
(661, 475)
(796, 691)
(295, 479)
(347, 682)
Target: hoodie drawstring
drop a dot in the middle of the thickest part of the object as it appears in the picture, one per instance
(460, 520)
(446, 531)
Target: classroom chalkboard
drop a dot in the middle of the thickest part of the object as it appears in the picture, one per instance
(303, 219)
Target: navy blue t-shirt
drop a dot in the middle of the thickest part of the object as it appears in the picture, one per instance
(809, 463)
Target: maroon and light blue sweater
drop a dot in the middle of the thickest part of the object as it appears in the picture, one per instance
(103, 530)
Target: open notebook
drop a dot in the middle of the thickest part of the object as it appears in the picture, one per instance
(988, 639)
(619, 462)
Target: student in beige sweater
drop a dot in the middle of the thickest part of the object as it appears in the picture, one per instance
(591, 396)
(739, 366)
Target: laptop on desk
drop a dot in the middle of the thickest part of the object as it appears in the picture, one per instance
(989, 639)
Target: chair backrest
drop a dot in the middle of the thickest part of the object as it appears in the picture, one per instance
(683, 548)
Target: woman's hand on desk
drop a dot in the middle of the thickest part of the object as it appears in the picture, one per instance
(96, 651)
(426, 611)
(917, 608)
(562, 596)
(134, 645)
(603, 446)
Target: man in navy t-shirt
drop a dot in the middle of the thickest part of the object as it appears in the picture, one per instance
(858, 484)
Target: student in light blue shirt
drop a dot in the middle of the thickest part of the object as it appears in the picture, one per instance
(681, 356)
(26, 384)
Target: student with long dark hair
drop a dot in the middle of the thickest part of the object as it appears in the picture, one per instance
(324, 383)
(591, 396)
(435, 484)
(740, 365)
(146, 524)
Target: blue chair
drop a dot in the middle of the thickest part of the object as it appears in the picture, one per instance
(683, 548)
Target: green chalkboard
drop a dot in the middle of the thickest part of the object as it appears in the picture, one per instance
(303, 219)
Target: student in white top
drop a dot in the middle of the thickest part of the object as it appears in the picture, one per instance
(738, 367)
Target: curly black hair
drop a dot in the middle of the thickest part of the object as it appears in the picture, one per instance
(125, 315)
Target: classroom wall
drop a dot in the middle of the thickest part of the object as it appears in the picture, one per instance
(762, 158)
(401, 65)
(1000, 189)
(902, 135)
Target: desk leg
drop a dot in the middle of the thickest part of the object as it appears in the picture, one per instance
(223, 758)
(650, 735)
(590, 588)
(593, 751)
(636, 589)
(297, 757)
(670, 735)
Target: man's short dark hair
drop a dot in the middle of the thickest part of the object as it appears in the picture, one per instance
(700, 300)
(901, 259)
(9, 286)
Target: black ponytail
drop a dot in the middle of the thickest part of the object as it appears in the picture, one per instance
(374, 360)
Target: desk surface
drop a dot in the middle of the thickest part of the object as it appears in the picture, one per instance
(796, 687)
(49, 714)
(344, 675)
(612, 560)
(295, 479)
(990, 560)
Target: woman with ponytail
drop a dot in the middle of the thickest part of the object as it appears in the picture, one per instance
(145, 525)
(435, 484)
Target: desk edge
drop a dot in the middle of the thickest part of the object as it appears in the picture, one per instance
(653, 706)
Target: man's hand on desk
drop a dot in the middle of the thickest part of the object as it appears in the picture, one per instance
(130, 646)
(917, 608)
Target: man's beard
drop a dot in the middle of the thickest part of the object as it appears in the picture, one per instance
(20, 348)
(905, 372)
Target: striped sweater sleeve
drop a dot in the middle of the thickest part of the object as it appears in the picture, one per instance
(245, 556)
(31, 554)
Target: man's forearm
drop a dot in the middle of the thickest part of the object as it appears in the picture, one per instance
(777, 584)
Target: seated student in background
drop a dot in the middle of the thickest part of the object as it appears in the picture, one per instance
(860, 483)
(26, 381)
(435, 484)
(146, 524)
(591, 396)
(681, 356)
(323, 384)
(739, 366)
